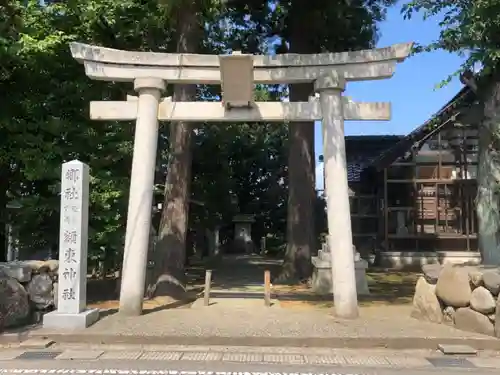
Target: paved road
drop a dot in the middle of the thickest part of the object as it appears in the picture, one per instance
(224, 360)
(208, 368)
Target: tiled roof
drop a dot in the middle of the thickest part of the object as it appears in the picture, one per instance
(464, 98)
(362, 150)
(354, 171)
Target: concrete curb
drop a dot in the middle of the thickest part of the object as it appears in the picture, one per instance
(224, 356)
(393, 343)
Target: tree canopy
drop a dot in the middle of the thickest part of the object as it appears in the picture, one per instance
(468, 27)
(44, 119)
(45, 122)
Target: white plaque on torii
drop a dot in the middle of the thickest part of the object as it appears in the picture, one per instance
(237, 74)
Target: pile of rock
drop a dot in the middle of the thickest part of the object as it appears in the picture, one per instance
(26, 287)
(461, 295)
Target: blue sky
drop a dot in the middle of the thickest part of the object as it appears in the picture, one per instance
(412, 90)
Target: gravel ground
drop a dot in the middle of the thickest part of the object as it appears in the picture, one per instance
(249, 322)
(248, 318)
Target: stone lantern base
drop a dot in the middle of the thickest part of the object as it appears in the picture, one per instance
(322, 282)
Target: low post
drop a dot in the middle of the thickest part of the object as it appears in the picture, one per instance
(72, 312)
(267, 288)
(208, 283)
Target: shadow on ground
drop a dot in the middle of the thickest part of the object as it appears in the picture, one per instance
(242, 273)
(242, 276)
(104, 294)
(386, 288)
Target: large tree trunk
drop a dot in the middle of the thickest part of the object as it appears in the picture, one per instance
(488, 177)
(4, 186)
(301, 237)
(170, 252)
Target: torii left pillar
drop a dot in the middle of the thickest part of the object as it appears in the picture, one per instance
(141, 195)
(330, 88)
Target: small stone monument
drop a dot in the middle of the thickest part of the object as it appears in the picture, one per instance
(212, 237)
(322, 282)
(243, 232)
(72, 312)
(216, 241)
(402, 229)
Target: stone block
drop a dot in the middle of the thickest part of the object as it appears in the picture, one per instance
(322, 276)
(491, 280)
(17, 270)
(38, 266)
(14, 302)
(482, 301)
(457, 349)
(465, 293)
(453, 286)
(426, 305)
(431, 272)
(475, 277)
(40, 290)
(70, 321)
(473, 321)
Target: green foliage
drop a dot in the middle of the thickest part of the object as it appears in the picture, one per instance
(469, 27)
(44, 119)
(327, 25)
(45, 122)
(247, 161)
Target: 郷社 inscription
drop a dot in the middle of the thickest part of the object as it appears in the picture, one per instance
(73, 237)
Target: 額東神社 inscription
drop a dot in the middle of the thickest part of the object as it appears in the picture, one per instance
(72, 287)
(73, 241)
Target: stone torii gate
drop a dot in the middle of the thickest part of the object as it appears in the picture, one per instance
(237, 74)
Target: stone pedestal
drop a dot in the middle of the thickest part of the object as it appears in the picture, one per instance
(72, 312)
(68, 321)
(322, 282)
(213, 241)
(243, 232)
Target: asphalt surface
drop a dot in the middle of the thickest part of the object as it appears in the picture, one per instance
(120, 367)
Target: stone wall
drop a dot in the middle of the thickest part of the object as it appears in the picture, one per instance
(27, 288)
(416, 259)
(464, 296)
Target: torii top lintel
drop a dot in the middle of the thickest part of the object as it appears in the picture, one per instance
(116, 65)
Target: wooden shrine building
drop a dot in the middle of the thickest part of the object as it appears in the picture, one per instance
(414, 202)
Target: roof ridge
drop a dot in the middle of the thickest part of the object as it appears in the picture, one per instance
(428, 128)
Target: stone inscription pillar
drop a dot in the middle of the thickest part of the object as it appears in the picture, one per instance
(141, 196)
(72, 312)
(330, 88)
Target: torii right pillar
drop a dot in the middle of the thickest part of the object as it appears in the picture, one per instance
(330, 88)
